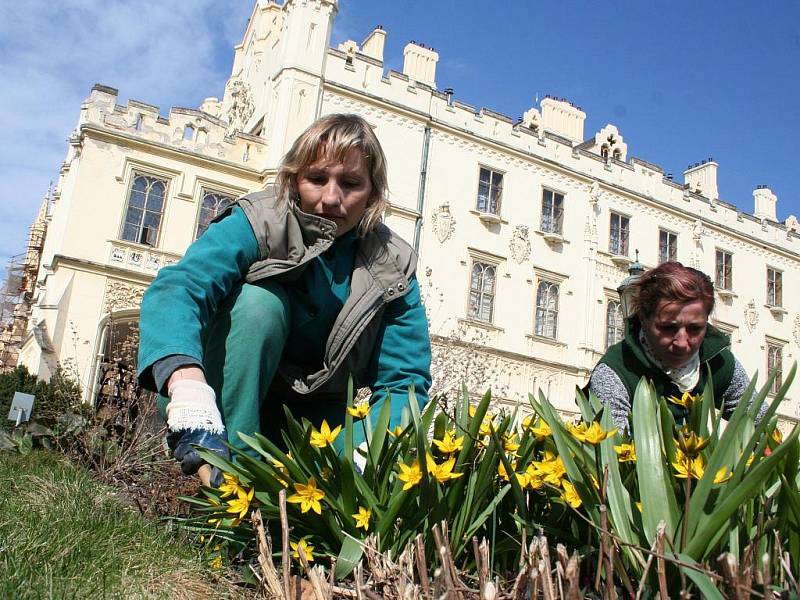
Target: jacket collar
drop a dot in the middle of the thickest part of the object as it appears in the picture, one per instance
(714, 342)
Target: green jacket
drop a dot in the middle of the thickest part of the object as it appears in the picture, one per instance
(629, 361)
(288, 240)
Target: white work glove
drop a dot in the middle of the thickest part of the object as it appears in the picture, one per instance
(194, 420)
(193, 405)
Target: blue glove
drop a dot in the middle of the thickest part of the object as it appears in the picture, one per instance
(182, 445)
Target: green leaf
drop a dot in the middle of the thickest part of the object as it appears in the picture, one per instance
(707, 587)
(348, 423)
(382, 426)
(618, 498)
(697, 545)
(349, 556)
(655, 489)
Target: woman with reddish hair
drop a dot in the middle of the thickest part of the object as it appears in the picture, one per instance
(668, 340)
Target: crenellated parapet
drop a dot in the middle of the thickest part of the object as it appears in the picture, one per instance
(547, 134)
(190, 130)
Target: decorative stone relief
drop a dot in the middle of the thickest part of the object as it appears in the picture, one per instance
(153, 262)
(443, 222)
(594, 193)
(118, 255)
(120, 294)
(241, 108)
(751, 316)
(796, 332)
(520, 244)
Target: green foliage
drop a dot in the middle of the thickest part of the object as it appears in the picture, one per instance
(60, 395)
(64, 535)
(691, 493)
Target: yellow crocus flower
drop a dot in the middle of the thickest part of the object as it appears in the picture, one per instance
(626, 452)
(302, 546)
(442, 472)
(362, 517)
(411, 474)
(360, 410)
(241, 504)
(449, 444)
(570, 494)
(308, 496)
(324, 437)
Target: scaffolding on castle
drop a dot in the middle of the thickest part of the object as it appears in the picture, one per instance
(16, 293)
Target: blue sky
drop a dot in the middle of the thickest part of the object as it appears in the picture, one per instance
(683, 81)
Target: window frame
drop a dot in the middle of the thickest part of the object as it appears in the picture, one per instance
(135, 173)
(775, 350)
(620, 326)
(557, 227)
(670, 235)
(623, 230)
(499, 191)
(476, 314)
(204, 191)
(774, 287)
(543, 311)
(727, 266)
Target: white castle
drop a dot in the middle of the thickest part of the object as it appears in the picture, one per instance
(525, 228)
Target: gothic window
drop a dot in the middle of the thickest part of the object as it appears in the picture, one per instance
(724, 270)
(667, 246)
(490, 191)
(619, 232)
(481, 291)
(552, 212)
(774, 287)
(546, 322)
(212, 204)
(615, 324)
(775, 363)
(145, 209)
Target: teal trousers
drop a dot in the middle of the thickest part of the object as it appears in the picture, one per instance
(242, 350)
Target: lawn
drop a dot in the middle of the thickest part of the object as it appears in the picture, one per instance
(65, 535)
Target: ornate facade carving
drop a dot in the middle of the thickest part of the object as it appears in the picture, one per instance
(443, 222)
(796, 331)
(120, 295)
(241, 108)
(751, 316)
(520, 244)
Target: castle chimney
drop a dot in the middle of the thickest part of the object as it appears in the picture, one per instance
(420, 63)
(560, 117)
(766, 203)
(373, 45)
(702, 178)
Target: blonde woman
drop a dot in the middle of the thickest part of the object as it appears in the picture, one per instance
(287, 294)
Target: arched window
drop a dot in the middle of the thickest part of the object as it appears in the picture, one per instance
(145, 208)
(615, 324)
(212, 204)
(775, 363)
(604, 152)
(481, 292)
(618, 154)
(547, 309)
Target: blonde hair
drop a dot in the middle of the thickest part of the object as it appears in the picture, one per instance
(333, 136)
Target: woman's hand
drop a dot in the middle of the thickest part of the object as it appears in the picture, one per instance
(194, 420)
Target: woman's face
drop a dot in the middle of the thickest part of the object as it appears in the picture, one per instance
(338, 191)
(676, 331)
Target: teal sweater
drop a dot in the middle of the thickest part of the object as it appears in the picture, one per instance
(186, 294)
